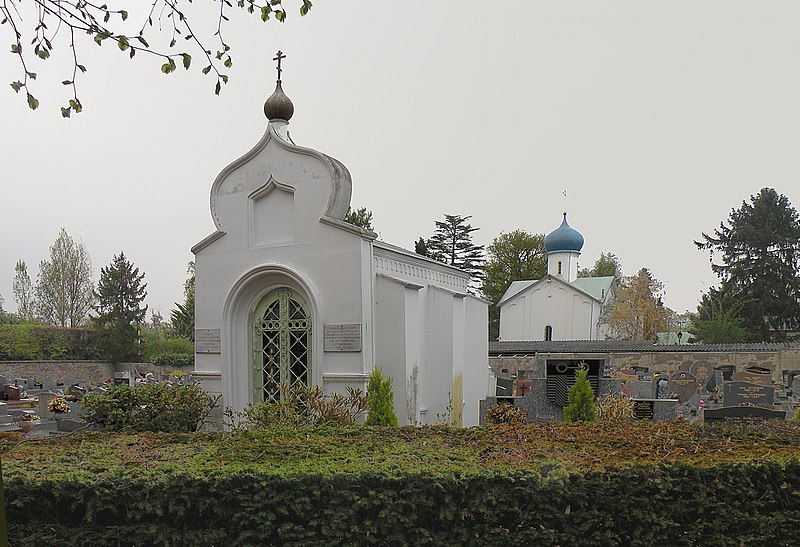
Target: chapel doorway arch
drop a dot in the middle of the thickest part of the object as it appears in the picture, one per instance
(282, 336)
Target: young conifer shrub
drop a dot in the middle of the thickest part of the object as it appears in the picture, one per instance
(581, 399)
(380, 400)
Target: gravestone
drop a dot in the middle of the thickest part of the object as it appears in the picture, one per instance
(49, 385)
(13, 392)
(747, 394)
(727, 372)
(796, 386)
(753, 378)
(44, 400)
(661, 387)
(685, 366)
(640, 389)
(703, 371)
(742, 413)
(684, 385)
(3, 381)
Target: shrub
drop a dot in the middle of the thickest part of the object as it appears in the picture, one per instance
(174, 359)
(380, 400)
(581, 399)
(149, 407)
(506, 414)
(613, 408)
(303, 406)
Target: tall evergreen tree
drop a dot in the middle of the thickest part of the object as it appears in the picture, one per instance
(23, 292)
(360, 217)
(759, 249)
(581, 399)
(452, 244)
(120, 307)
(65, 291)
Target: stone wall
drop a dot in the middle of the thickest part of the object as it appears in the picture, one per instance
(89, 372)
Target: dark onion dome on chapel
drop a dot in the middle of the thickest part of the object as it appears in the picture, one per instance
(278, 106)
(565, 238)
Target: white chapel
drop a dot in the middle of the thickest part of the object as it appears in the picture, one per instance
(561, 305)
(287, 292)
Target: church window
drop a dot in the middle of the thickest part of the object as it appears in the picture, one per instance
(559, 267)
(548, 332)
(281, 344)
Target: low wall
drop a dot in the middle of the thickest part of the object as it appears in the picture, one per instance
(89, 372)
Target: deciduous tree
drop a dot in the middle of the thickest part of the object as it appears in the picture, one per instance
(606, 266)
(120, 307)
(638, 311)
(64, 290)
(37, 28)
(759, 252)
(513, 256)
(23, 292)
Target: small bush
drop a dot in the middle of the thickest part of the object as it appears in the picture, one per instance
(303, 406)
(506, 414)
(149, 407)
(581, 399)
(174, 359)
(380, 400)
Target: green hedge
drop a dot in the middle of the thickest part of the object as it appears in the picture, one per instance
(30, 342)
(754, 503)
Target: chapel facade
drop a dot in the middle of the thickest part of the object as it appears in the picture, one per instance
(287, 292)
(561, 305)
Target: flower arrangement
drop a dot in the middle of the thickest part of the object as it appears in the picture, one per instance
(58, 405)
(28, 418)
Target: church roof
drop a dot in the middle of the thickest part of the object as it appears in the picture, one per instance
(518, 287)
(565, 238)
(596, 286)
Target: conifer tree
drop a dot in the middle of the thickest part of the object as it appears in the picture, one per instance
(120, 296)
(380, 400)
(581, 399)
(452, 244)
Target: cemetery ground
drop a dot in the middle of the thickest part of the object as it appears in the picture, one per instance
(614, 483)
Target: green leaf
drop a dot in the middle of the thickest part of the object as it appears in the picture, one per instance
(16, 86)
(172, 43)
(169, 66)
(142, 41)
(123, 14)
(82, 68)
(187, 60)
(280, 15)
(122, 43)
(65, 112)
(31, 75)
(67, 82)
(33, 102)
(43, 53)
(133, 52)
(218, 88)
(265, 12)
(207, 69)
(228, 62)
(15, 48)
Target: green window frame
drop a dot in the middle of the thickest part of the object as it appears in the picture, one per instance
(282, 336)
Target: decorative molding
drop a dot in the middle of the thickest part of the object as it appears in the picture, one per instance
(406, 284)
(345, 377)
(261, 192)
(207, 374)
(392, 266)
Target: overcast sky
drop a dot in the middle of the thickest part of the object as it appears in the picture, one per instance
(657, 118)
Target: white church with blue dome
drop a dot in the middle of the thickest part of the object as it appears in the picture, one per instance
(561, 305)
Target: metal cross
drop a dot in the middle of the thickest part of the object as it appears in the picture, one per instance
(278, 58)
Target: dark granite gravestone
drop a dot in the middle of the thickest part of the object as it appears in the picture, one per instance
(727, 372)
(703, 371)
(753, 377)
(747, 394)
(742, 413)
(640, 389)
(683, 385)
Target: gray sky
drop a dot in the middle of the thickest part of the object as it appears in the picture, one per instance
(657, 118)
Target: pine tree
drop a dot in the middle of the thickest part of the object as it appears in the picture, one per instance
(452, 244)
(760, 264)
(380, 400)
(581, 399)
(120, 296)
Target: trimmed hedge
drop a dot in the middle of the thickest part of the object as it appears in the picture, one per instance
(675, 505)
(634, 484)
(31, 342)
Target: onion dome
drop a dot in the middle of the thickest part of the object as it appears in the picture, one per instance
(564, 239)
(278, 106)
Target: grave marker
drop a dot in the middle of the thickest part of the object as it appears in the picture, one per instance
(684, 385)
(747, 394)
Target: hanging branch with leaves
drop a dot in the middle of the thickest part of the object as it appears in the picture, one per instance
(54, 20)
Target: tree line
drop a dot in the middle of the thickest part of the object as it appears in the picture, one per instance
(65, 295)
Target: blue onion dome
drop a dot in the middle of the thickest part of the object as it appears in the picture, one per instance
(565, 238)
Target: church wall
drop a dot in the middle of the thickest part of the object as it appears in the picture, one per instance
(475, 367)
(412, 351)
(390, 335)
(436, 364)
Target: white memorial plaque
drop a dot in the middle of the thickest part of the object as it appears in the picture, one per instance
(207, 341)
(343, 337)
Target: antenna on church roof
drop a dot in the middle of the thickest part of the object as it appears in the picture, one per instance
(279, 106)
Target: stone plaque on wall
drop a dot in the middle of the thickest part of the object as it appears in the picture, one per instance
(345, 337)
(207, 341)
